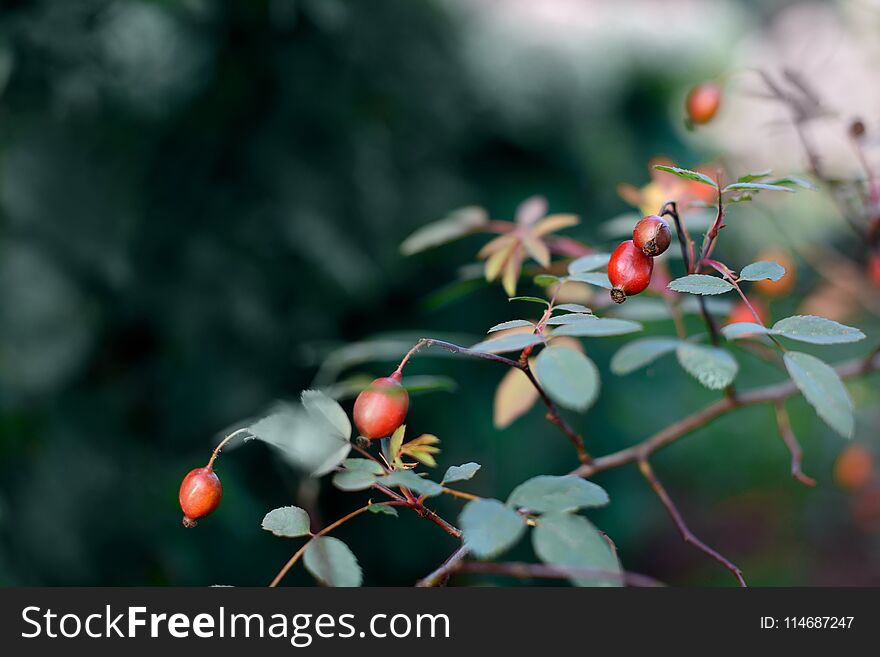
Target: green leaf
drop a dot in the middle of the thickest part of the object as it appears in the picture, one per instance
(411, 480)
(761, 271)
(363, 465)
(639, 353)
(552, 494)
(539, 300)
(287, 521)
(514, 342)
(570, 318)
(461, 472)
(569, 541)
(546, 280)
(322, 408)
(513, 323)
(569, 377)
(396, 442)
(383, 508)
(687, 174)
(573, 308)
(700, 284)
(816, 330)
(331, 562)
(455, 225)
(743, 330)
(588, 263)
(308, 441)
(711, 366)
(489, 527)
(593, 278)
(755, 187)
(351, 480)
(599, 327)
(792, 180)
(823, 389)
(757, 175)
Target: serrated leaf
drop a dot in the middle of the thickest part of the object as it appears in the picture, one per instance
(514, 342)
(383, 508)
(457, 224)
(552, 494)
(711, 366)
(573, 308)
(514, 397)
(756, 187)
(761, 271)
(599, 327)
(411, 480)
(743, 330)
(351, 480)
(307, 443)
(363, 465)
(513, 323)
(568, 377)
(546, 280)
(539, 300)
(588, 263)
(566, 540)
(461, 472)
(489, 527)
(687, 174)
(597, 278)
(331, 562)
(816, 330)
(321, 407)
(639, 353)
(757, 175)
(571, 318)
(700, 284)
(287, 521)
(823, 389)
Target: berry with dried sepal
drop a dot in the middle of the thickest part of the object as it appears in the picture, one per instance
(381, 409)
(652, 235)
(200, 494)
(629, 271)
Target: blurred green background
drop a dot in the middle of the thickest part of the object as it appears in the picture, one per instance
(198, 199)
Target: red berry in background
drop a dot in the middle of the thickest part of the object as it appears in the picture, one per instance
(874, 268)
(703, 102)
(381, 408)
(741, 313)
(652, 235)
(200, 494)
(629, 271)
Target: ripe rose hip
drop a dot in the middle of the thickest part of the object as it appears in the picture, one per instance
(629, 271)
(742, 313)
(200, 494)
(381, 408)
(652, 235)
(703, 102)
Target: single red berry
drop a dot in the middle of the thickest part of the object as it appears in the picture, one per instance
(629, 271)
(874, 268)
(200, 494)
(652, 235)
(703, 102)
(381, 408)
(742, 313)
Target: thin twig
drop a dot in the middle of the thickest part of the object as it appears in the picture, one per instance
(439, 576)
(686, 533)
(523, 570)
(787, 434)
(223, 444)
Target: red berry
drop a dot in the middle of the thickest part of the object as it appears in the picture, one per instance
(742, 313)
(874, 268)
(703, 102)
(381, 408)
(652, 235)
(629, 271)
(200, 494)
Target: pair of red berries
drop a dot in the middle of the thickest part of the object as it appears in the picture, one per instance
(632, 263)
(378, 412)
